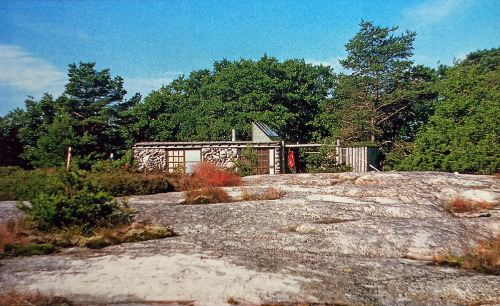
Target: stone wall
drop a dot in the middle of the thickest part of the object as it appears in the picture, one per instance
(151, 158)
(223, 157)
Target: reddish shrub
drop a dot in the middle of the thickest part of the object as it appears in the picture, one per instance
(206, 175)
(466, 205)
(13, 232)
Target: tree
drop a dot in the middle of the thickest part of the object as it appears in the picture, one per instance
(9, 138)
(208, 104)
(381, 89)
(88, 117)
(464, 133)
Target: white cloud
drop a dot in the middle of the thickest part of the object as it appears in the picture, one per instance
(432, 11)
(25, 72)
(146, 85)
(24, 75)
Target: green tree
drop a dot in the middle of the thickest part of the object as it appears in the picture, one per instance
(89, 117)
(10, 155)
(464, 133)
(208, 104)
(373, 102)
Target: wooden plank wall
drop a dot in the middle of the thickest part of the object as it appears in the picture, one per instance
(360, 158)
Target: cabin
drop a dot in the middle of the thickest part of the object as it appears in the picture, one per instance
(182, 156)
(270, 148)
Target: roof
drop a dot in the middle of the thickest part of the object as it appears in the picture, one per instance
(266, 129)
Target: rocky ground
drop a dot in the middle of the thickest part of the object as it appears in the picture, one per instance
(332, 238)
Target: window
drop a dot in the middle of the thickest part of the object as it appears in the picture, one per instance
(175, 161)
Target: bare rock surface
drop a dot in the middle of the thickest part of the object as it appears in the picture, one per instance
(348, 238)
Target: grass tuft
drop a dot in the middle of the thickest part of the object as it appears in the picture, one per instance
(462, 205)
(206, 196)
(485, 258)
(17, 298)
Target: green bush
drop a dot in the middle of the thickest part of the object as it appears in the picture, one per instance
(325, 162)
(247, 165)
(29, 249)
(18, 184)
(120, 182)
(77, 203)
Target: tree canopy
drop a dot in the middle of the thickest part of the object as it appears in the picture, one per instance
(377, 99)
(444, 119)
(464, 133)
(208, 104)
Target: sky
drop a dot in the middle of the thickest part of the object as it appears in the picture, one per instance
(150, 43)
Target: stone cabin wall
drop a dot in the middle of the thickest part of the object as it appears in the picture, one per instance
(162, 156)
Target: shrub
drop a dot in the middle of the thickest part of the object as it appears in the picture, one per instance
(18, 184)
(77, 204)
(247, 164)
(207, 175)
(121, 182)
(269, 194)
(206, 196)
(11, 298)
(485, 258)
(325, 162)
(461, 205)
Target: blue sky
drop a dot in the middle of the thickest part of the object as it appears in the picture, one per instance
(150, 43)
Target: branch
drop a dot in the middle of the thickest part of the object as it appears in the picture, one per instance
(394, 113)
(77, 114)
(392, 102)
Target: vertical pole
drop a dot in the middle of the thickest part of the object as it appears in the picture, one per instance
(68, 159)
(233, 134)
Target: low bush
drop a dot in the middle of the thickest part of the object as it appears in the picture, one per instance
(121, 182)
(18, 184)
(206, 196)
(461, 205)
(485, 258)
(29, 249)
(207, 175)
(325, 161)
(268, 194)
(76, 203)
(17, 298)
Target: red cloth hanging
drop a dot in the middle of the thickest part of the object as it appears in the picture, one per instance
(291, 159)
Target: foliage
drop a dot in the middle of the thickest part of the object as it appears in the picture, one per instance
(464, 133)
(10, 155)
(461, 205)
(207, 175)
(77, 204)
(375, 102)
(208, 104)
(206, 196)
(29, 249)
(18, 184)
(247, 164)
(122, 182)
(485, 258)
(88, 117)
(325, 161)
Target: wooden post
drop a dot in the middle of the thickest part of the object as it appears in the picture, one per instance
(68, 159)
